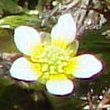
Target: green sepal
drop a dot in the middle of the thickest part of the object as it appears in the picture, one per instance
(73, 47)
(45, 37)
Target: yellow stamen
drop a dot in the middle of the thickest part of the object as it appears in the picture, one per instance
(59, 43)
(52, 61)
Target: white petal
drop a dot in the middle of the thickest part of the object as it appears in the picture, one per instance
(59, 87)
(65, 29)
(26, 38)
(22, 69)
(87, 66)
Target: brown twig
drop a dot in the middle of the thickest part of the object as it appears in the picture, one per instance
(105, 100)
(91, 107)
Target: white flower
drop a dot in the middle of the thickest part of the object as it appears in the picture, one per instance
(53, 63)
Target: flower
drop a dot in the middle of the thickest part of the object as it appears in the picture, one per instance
(52, 62)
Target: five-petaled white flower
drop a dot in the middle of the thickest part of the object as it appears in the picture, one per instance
(52, 63)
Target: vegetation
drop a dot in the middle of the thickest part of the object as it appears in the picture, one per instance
(93, 24)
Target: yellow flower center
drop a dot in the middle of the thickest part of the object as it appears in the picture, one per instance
(51, 62)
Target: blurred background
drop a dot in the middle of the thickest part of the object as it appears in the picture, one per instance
(93, 25)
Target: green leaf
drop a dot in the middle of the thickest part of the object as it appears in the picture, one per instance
(17, 20)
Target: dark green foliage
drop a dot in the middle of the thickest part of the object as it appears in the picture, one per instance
(9, 6)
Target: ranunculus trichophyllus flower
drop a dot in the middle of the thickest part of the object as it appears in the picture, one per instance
(52, 62)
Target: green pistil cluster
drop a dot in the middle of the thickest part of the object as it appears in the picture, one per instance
(53, 60)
